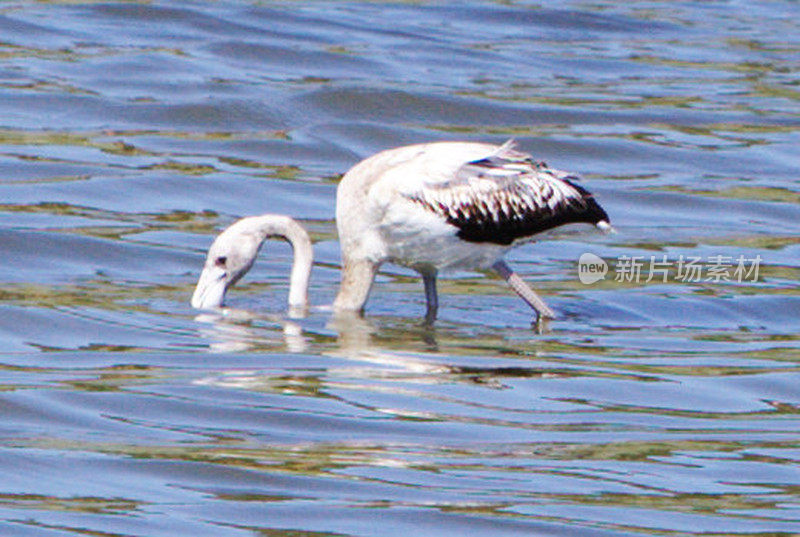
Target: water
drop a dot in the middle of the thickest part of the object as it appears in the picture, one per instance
(130, 133)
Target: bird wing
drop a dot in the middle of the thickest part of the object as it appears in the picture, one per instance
(507, 196)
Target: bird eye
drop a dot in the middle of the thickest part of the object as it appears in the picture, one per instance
(220, 261)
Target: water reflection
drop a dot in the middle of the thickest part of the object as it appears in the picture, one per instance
(232, 330)
(378, 349)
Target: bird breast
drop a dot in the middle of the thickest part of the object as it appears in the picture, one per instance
(414, 236)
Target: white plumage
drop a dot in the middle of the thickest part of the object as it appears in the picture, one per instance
(446, 205)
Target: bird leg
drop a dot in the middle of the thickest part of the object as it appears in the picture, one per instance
(431, 298)
(525, 292)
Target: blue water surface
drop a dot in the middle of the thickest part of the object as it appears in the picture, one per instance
(132, 132)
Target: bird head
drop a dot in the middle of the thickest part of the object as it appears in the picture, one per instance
(231, 255)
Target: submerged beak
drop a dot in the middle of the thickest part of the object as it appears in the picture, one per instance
(211, 287)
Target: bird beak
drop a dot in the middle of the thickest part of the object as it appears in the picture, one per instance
(211, 287)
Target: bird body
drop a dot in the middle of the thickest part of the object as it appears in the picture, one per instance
(453, 205)
(378, 218)
(447, 205)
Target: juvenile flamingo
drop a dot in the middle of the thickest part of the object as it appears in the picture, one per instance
(429, 207)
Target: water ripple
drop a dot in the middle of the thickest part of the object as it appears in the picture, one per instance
(132, 132)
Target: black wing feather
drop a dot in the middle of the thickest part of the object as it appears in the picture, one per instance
(508, 196)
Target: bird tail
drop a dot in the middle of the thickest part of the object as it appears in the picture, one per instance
(605, 227)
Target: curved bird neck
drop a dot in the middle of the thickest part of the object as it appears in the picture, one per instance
(284, 227)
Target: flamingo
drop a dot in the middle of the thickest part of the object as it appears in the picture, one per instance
(430, 207)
